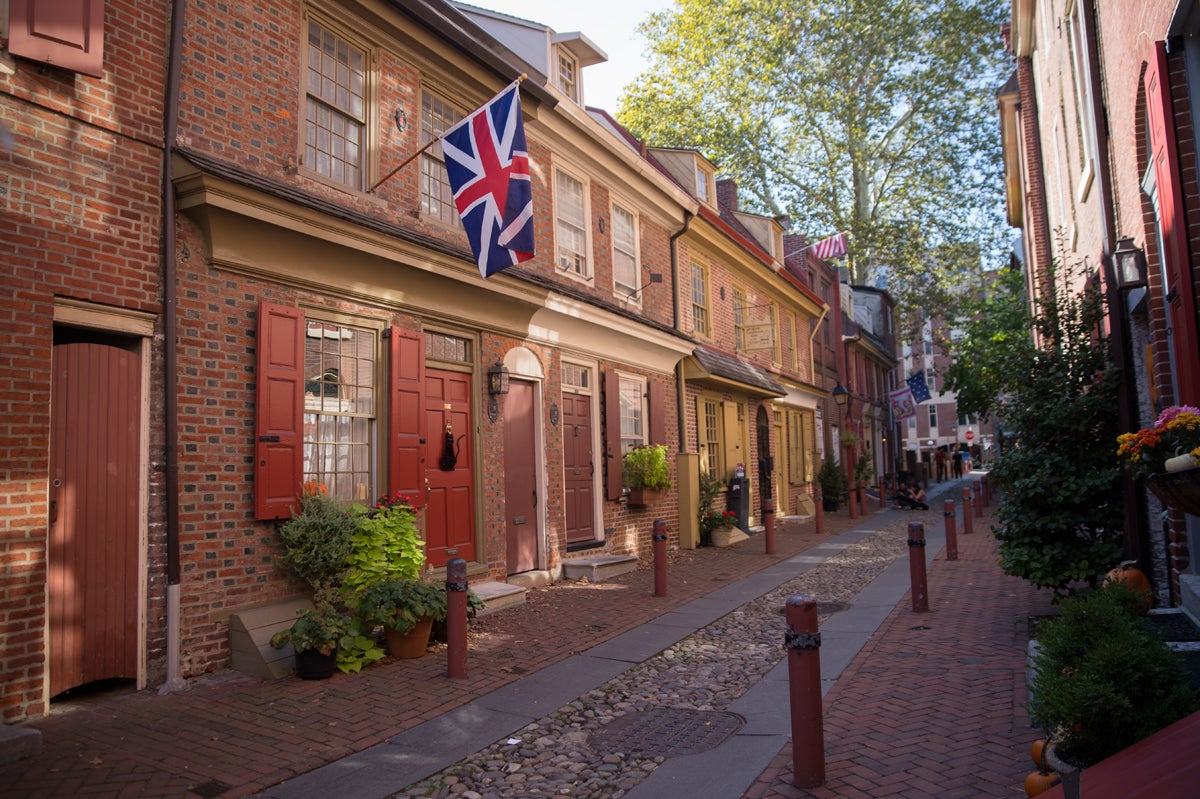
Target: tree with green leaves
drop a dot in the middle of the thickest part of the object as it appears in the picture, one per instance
(874, 117)
(1060, 518)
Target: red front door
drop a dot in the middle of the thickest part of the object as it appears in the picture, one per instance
(450, 487)
(520, 478)
(578, 468)
(92, 552)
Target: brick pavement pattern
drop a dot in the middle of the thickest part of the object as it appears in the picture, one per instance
(933, 705)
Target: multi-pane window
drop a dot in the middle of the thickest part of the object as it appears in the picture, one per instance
(448, 348)
(568, 75)
(739, 318)
(624, 238)
(339, 408)
(932, 420)
(789, 341)
(773, 318)
(702, 193)
(700, 300)
(633, 413)
(710, 438)
(576, 378)
(437, 201)
(570, 225)
(795, 444)
(930, 380)
(335, 111)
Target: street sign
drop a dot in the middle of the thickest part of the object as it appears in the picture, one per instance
(970, 436)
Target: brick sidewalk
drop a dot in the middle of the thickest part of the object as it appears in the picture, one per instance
(933, 704)
(232, 735)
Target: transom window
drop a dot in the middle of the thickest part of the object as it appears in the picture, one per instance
(570, 225)
(335, 110)
(448, 348)
(437, 116)
(624, 237)
(576, 378)
(700, 300)
(340, 408)
(633, 412)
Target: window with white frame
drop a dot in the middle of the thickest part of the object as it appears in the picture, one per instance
(340, 406)
(740, 304)
(703, 191)
(933, 420)
(437, 115)
(700, 300)
(931, 380)
(710, 438)
(570, 214)
(1085, 126)
(625, 252)
(633, 412)
(335, 107)
(568, 75)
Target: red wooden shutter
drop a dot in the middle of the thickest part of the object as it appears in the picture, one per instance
(1165, 155)
(68, 34)
(656, 427)
(406, 415)
(279, 421)
(612, 435)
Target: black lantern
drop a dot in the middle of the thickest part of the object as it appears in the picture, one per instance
(1130, 264)
(840, 395)
(497, 385)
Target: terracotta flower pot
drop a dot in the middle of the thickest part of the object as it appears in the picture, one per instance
(411, 644)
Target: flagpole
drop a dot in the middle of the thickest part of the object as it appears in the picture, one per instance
(434, 141)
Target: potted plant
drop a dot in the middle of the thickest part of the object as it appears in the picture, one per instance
(406, 610)
(315, 637)
(1168, 456)
(833, 484)
(646, 473)
(317, 541)
(385, 544)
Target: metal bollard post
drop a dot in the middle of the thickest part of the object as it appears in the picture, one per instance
(882, 491)
(951, 535)
(850, 502)
(916, 566)
(968, 524)
(803, 644)
(987, 490)
(660, 557)
(819, 512)
(978, 502)
(862, 500)
(456, 618)
(768, 514)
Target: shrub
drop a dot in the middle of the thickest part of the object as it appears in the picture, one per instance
(832, 479)
(646, 467)
(386, 545)
(317, 541)
(1102, 680)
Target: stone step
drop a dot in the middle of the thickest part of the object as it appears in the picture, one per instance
(498, 596)
(19, 742)
(598, 568)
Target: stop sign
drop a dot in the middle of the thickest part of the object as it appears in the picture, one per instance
(970, 436)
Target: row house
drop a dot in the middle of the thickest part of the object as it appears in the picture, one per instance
(1098, 129)
(869, 337)
(228, 279)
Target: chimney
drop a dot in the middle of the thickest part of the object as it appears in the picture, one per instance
(727, 194)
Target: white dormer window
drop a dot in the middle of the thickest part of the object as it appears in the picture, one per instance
(568, 75)
(703, 194)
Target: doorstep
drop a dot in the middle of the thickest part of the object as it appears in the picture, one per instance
(598, 568)
(498, 596)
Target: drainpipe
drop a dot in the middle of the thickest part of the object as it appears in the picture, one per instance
(174, 681)
(680, 389)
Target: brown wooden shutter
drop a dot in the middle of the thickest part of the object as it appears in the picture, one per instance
(1165, 156)
(656, 426)
(279, 420)
(612, 435)
(406, 415)
(68, 34)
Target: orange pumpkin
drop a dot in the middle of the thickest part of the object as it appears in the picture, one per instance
(1128, 573)
(1038, 752)
(1038, 782)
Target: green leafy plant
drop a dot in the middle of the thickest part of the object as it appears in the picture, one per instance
(317, 541)
(832, 479)
(320, 630)
(399, 604)
(1101, 680)
(357, 647)
(385, 545)
(864, 469)
(646, 467)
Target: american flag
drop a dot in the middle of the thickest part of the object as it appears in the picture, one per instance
(831, 247)
(920, 390)
(487, 166)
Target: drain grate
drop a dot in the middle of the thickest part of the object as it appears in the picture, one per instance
(667, 732)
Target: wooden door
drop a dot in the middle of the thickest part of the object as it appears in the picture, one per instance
(579, 469)
(522, 502)
(449, 476)
(92, 557)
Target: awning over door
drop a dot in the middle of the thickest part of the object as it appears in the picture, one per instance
(715, 367)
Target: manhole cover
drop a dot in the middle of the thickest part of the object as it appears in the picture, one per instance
(666, 731)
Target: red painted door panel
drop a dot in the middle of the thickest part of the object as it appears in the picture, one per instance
(92, 572)
(578, 468)
(521, 500)
(449, 477)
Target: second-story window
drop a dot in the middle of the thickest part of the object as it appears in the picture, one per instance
(739, 319)
(624, 239)
(568, 75)
(933, 420)
(570, 229)
(702, 192)
(773, 314)
(700, 301)
(789, 341)
(335, 109)
(437, 201)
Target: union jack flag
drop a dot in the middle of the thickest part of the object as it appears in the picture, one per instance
(488, 170)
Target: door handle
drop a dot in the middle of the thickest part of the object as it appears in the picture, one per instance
(535, 497)
(53, 511)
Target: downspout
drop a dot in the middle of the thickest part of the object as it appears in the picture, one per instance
(1136, 539)
(174, 681)
(680, 389)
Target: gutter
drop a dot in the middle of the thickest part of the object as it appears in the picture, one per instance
(680, 389)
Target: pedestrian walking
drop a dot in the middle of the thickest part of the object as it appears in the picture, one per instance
(957, 464)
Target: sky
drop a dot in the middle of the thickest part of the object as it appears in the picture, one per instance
(609, 24)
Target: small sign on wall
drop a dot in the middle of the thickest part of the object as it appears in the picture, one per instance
(760, 337)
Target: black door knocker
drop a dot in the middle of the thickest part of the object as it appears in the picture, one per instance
(449, 457)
